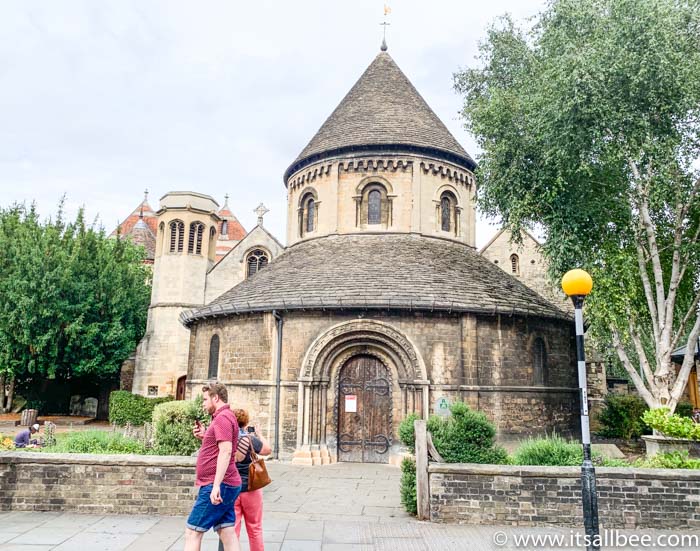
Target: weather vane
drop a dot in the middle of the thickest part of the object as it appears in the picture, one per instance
(387, 11)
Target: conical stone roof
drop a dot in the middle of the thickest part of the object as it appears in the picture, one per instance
(383, 111)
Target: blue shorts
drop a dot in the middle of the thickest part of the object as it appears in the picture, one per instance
(206, 515)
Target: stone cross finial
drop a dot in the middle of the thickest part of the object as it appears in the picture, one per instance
(261, 211)
(145, 195)
(226, 199)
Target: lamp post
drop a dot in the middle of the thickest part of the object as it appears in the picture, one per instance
(577, 284)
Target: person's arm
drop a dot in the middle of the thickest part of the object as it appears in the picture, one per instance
(222, 462)
(265, 448)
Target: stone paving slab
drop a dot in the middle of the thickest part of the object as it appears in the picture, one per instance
(166, 534)
(349, 521)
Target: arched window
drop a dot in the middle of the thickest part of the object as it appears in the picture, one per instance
(539, 362)
(445, 214)
(310, 214)
(255, 262)
(224, 228)
(514, 264)
(213, 371)
(448, 212)
(374, 207)
(177, 235)
(194, 245)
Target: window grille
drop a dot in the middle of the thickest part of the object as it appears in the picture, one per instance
(257, 260)
(374, 207)
(213, 358)
(514, 264)
(177, 232)
(194, 244)
(310, 214)
(446, 213)
(539, 360)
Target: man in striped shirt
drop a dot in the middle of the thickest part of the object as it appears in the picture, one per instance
(217, 477)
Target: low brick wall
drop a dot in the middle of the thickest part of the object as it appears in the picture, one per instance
(547, 496)
(84, 483)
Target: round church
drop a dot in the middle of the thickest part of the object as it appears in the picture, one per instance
(379, 305)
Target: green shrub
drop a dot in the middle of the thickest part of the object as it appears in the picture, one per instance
(672, 425)
(173, 422)
(407, 431)
(622, 417)
(676, 460)
(552, 451)
(684, 409)
(125, 407)
(96, 441)
(409, 498)
(467, 436)
(613, 462)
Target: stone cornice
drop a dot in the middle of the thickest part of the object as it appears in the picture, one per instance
(310, 175)
(374, 165)
(451, 173)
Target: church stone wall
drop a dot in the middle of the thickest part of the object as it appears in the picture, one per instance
(481, 359)
(231, 270)
(414, 186)
(532, 267)
(178, 284)
(161, 356)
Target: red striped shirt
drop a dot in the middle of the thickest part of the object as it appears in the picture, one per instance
(223, 428)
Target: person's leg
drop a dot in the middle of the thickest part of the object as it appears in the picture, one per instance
(239, 516)
(226, 526)
(200, 519)
(229, 539)
(238, 508)
(193, 540)
(253, 507)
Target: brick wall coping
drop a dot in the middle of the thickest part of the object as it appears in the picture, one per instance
(98, 459)
(562, 472)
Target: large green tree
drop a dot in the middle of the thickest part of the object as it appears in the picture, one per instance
(589, 121)
(73, 302)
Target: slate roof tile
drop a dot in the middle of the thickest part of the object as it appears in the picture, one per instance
(398, 271)
(383, 108)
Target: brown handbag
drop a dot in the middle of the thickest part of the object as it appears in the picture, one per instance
(257, 472)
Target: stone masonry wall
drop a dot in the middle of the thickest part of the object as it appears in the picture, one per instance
(485, 360)
(116, 484)
(544, 496)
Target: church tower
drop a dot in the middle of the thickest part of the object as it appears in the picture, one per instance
(383, 162)
(185, 250)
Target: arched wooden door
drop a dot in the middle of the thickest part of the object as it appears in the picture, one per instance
(364, 411)
(181, 387)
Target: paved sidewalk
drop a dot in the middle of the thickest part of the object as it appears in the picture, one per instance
(342, 507)
(68, 532)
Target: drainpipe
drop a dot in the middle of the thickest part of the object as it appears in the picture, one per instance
(278, 382)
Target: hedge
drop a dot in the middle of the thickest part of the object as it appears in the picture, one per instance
(125, 407)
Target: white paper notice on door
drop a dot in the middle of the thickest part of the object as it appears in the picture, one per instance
(350, 403)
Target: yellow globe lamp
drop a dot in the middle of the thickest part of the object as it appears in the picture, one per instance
(577, 283)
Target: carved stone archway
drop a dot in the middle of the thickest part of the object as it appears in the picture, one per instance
(317, 413)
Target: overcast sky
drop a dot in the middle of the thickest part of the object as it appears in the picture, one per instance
(102, 99)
